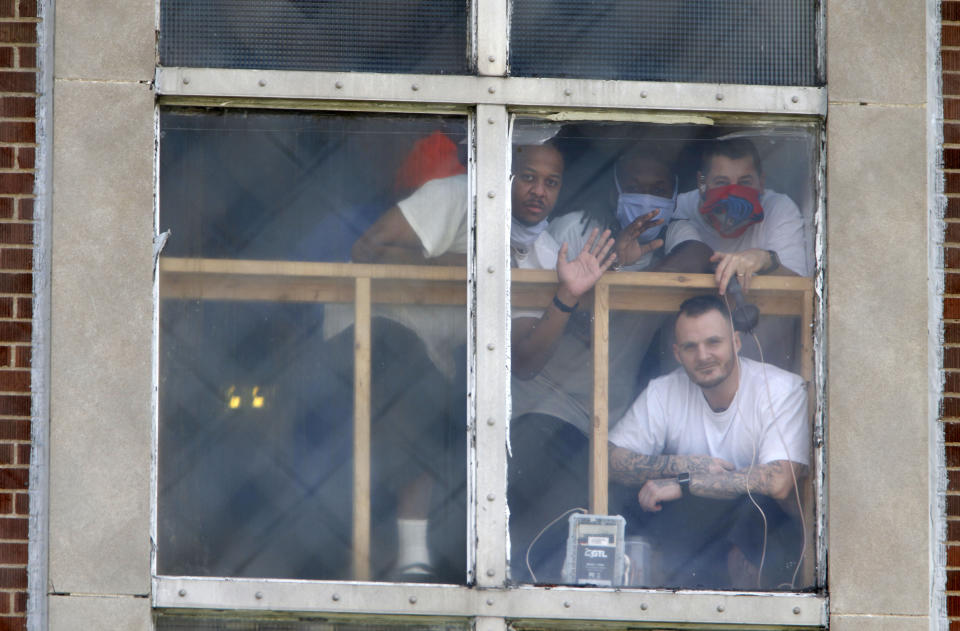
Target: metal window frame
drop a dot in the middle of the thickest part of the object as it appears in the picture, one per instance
(489, 99)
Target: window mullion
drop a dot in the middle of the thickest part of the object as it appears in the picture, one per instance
(492, 275)
(491, 37)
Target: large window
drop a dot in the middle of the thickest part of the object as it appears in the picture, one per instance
(436, 345)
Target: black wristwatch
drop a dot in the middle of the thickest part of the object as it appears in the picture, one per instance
(684, 481)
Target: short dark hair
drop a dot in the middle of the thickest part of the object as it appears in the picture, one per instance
(698, 305)
(518, 151)
(733, 148)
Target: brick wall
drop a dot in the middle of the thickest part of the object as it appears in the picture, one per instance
(950, 410)
(18, 77)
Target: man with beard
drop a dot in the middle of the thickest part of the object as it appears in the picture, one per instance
(718, 449)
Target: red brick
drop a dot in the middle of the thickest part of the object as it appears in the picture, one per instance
(4, 355)
(950, 408)
(951, 107)
(951, 358)
(16, 284)
(5, 598)
(951, 332)
(25, 208)
(20, 107)
(14, 332)
(19, 233)
(18, 32)
(28, 8)
(953, 505)
(14, 528)
(953, 556)
(953, 480)
(13, 183)
(13, 405)
(27, 158)
(949, 35)
(951, 311)
(7, 453)
(951, 431)
(23, 503)
(23, 454)
(953, 460)
(14, 81)
(10, 623)
(14, 381)
(28, 57)
(949, 58)
(17, 132)
(6, 307)
(13, 577)
(951, 232)
(953, 606)
(7, 157)
(20, 430)
(6, 57)
(24, 357)
(8, 9)
(952, 182)
(20, 602)
(24, 308)
(951, 257)
(19, 479)
(953, 576)
(22, 259)
(950, 10)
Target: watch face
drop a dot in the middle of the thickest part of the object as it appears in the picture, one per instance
(683, 478)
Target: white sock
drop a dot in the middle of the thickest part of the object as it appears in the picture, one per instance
(412, 540)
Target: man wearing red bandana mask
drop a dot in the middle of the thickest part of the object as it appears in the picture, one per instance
(752, 230)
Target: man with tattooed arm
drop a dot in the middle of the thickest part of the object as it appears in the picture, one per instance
(718, 449)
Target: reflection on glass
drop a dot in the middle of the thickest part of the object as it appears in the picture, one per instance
(709, 428)
(312, 415)
(754, 42)
(405, 36)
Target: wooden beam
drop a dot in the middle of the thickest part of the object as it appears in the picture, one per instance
(598, 433)
(361, 432)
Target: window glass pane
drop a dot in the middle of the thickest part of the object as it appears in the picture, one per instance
(709, 41)
(261, 427)
(194, 623)
(678, 397)
(407, 36)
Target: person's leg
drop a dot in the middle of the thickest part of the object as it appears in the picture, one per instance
(766, 548)
(547, 477)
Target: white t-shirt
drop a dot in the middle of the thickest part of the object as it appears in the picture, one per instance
(781, 230)
(437, 212)
(541, 255)
(672, 417)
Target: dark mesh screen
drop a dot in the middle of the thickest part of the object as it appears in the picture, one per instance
(405, 36)
(760, 42)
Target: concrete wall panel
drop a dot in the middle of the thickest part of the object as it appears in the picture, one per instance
(69, 613)
(105, 40)
(877, 358)
(875, 51)
(101, 334)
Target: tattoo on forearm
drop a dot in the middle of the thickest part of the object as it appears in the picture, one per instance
(628, 467)
(772, 479)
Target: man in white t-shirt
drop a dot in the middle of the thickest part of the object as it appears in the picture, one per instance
(752, 230)
(718, 448)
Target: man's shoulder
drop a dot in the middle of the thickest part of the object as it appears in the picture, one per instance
(774, 375)
(774, 202)
(573, 227)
